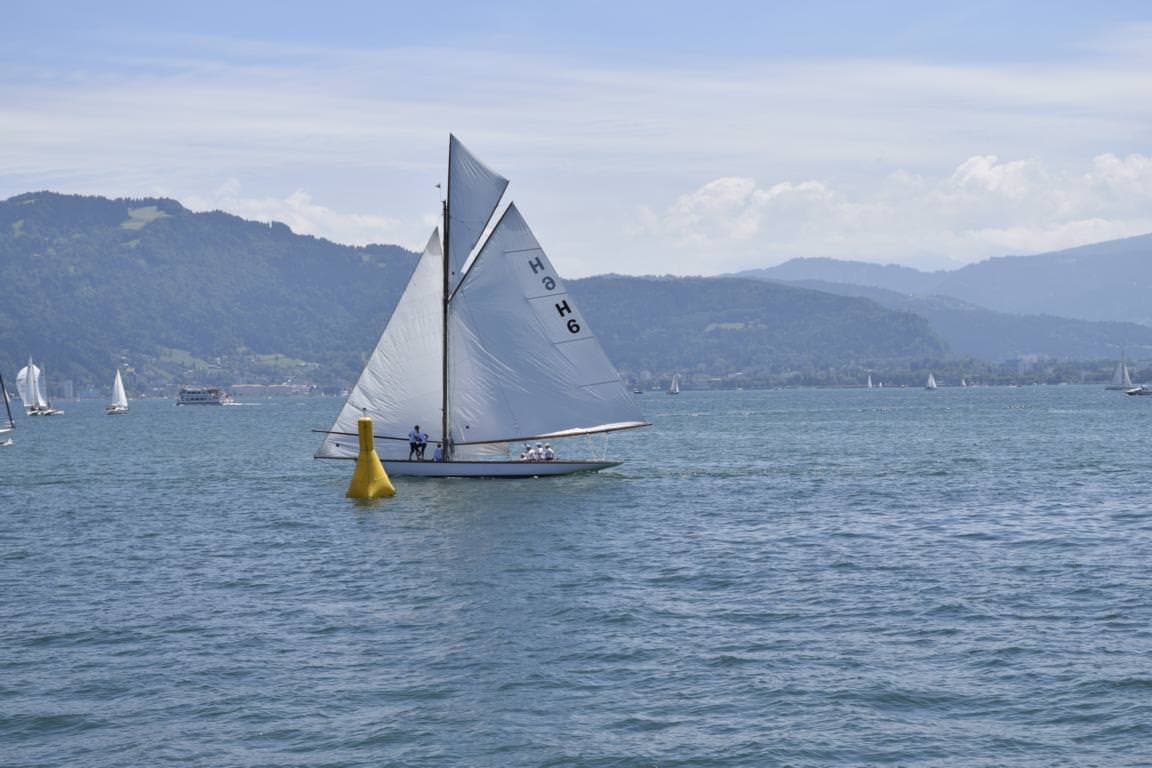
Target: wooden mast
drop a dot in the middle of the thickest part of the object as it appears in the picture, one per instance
(445, 441)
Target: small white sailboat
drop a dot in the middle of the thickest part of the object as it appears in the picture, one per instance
(7, 423)
(931, 381)
(30, 386)
(869, 381)
(963, 382)
(674, 387)
(1121, 378)
(119, 402)
(493, 347)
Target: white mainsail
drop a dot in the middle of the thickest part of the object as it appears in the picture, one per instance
(7, 423)
(1121, 379)
(30, 387)
(869, 381)
(523, 361)
(931, 382)
(474, 191)
(400, 386)
(119, 396)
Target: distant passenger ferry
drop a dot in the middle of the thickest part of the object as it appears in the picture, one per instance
(202, 396)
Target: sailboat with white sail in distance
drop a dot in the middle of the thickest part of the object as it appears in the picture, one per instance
(7, 423)
(931, 383)
(31, 388)
(493, 348)
(1121, 378)
(119, 402)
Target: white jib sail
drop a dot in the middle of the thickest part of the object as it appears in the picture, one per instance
(474, 191)
(119, 396)
(523, 361)
(401, 385)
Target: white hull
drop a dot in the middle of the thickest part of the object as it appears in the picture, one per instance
(505, 469)
(115, 410)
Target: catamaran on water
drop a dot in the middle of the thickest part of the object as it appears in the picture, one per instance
(492, 348)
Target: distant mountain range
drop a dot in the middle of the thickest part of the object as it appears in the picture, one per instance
(1106, 281)
(173, 296)
(969, 330)
(90, 283)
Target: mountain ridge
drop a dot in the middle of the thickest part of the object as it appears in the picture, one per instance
(172, 295)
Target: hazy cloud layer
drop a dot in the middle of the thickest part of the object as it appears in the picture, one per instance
(709, 166)
(985, 207)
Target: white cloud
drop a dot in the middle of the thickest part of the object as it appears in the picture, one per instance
(984, 207)
(619, 169)
(303, 216)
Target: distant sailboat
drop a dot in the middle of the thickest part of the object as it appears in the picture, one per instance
(869, 381)
(1121, 380)
(963, 382)
(119, 402)
(9, 423)
(674, 387)
(30, 386)
(931, 382)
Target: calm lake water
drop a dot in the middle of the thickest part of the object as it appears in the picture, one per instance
(802, 578)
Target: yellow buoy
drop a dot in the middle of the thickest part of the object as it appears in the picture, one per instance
(369, 480)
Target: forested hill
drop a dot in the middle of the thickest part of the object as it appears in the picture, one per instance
(90, 283)
(724, 325)
(87, 280)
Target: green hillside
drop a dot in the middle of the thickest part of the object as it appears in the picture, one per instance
(175, 296)
(88, 282)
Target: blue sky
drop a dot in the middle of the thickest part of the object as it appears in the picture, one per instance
(673, 137)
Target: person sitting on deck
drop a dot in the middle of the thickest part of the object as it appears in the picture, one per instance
(438, 453)
(549, 454)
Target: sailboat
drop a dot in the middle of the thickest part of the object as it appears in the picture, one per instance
(1121, 379)
(30, 386)
(931, 381)
(869, 381)
(8, 424)
(674, 387)
(491, 347)
(119, 402)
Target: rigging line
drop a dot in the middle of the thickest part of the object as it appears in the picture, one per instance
(356, 434)
(601, 383)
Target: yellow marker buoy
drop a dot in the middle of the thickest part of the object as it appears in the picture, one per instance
(369, 480)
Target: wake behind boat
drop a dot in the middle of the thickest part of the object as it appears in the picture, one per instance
(495, 349)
